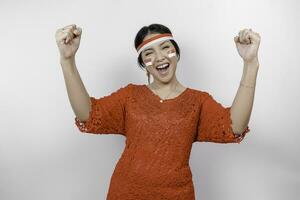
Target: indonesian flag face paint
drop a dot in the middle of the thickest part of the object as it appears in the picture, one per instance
(160, 38)
(148, 62)
(172, 53)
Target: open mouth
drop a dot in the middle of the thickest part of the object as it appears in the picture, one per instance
(162, 69)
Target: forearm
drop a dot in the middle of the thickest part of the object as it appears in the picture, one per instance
(78, 96)
(242, 105)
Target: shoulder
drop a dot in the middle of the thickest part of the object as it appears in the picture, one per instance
(130, 89)
(123, 91)
(200, 94)
(131, 85)
(134, 87)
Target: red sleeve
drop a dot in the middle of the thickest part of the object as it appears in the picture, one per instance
(107, 114)
(215, 123)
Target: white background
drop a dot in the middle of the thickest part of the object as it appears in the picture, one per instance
(44, 156)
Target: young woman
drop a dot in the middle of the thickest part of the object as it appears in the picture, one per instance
(160, 120)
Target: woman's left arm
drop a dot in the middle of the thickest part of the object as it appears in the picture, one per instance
(247, 44)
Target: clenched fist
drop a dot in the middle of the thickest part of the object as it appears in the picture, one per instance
(68, 40)
(247, 43)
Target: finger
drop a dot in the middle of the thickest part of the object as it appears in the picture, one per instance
(77, 31)
(69, 32)
(247, 37)
(243, 38)
(66, 37)
(255, 37)
(240, 36)
(63, 38)
(59, 32)
(69, 26)
(236, 39)
(70, 37)
(60, 35)
(70, 29)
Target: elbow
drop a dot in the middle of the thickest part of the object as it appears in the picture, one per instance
(238, 130)
(84, 115)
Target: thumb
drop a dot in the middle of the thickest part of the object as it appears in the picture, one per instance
(77, 31)
(236, 39)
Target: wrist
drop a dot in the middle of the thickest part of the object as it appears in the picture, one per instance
(70, 60)
(253, 62)
(68, 64)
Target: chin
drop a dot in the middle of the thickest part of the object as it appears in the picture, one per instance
(167, 78)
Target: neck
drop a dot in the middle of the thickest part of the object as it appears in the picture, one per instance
(161, 86)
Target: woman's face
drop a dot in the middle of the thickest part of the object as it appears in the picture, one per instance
(159, 54)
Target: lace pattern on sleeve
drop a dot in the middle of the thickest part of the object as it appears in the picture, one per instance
(216, 125)
(107, 114)
(96, 123)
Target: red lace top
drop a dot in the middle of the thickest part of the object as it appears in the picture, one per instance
(159, 138)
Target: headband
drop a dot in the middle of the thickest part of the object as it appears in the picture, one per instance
(153, 40)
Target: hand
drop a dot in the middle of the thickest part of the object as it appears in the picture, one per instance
(68, 40)
(247, 44)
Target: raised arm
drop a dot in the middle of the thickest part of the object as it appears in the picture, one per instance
(78, 96)
(247, 44)
(68, 40)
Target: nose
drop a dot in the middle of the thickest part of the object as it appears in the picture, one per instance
(159, 57)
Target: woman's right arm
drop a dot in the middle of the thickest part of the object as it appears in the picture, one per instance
(68, 40)
(78, 96)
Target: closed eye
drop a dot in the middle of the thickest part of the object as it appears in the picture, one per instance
(146, 54)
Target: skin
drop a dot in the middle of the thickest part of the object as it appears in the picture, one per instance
(68, 40)
(247, 44)
(162, 86)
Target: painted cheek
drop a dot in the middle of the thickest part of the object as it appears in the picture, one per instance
(171, 53)
(148, 62)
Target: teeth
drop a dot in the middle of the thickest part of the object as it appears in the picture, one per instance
(162, 66)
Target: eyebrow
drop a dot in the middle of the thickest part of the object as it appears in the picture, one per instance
(152, 48)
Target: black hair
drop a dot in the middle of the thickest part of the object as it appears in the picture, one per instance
(153, 28)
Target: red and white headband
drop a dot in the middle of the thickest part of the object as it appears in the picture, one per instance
(153, 40)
